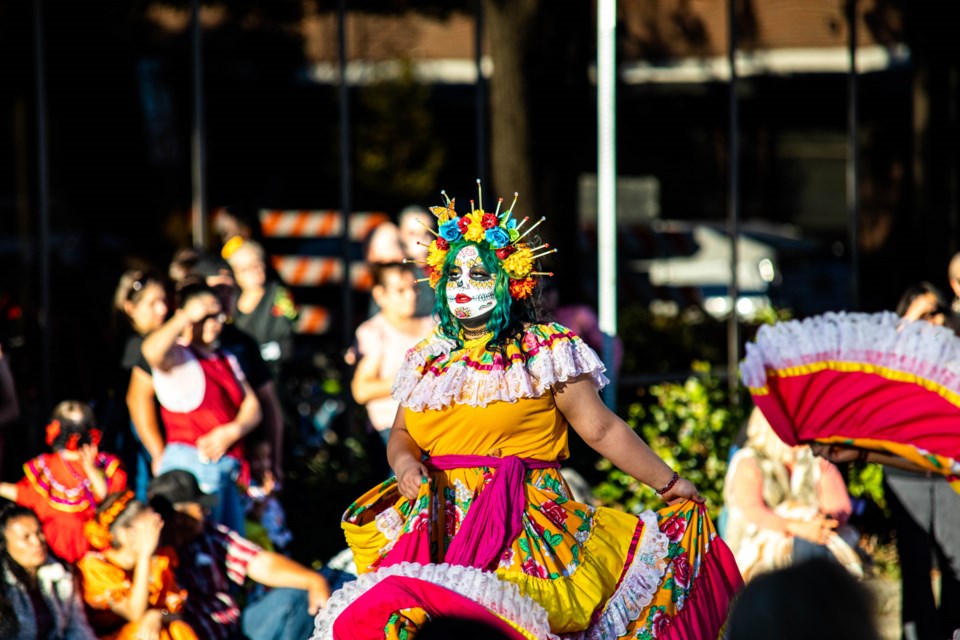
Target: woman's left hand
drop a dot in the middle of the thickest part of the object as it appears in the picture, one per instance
(214, 444)
(682, 490)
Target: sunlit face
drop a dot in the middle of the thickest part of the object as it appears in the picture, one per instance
(150, 309)
(470, 287)
(248, 268)
(25, 542)
(207, 331)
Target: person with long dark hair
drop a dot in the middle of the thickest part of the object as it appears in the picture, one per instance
(140, 303)
(38, 600)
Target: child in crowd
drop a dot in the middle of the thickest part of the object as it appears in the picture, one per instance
(266, 520)
(65, 487)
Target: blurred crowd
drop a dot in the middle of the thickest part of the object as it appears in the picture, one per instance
(169, 521)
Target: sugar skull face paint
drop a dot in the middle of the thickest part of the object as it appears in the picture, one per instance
(470, 287)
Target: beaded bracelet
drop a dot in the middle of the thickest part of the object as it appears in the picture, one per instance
(669, 485)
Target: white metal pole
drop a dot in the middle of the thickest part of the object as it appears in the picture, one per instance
(607, 186)
(733, 207)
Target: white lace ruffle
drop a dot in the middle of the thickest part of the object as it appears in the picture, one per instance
(460, 383)
(638, 586)
(499, 596)
(882, 339)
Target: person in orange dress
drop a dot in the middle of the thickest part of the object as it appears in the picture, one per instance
(128, 584)
(64, 487)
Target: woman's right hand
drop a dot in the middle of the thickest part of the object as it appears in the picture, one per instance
(682, 490)
(816, 530)
(409, 478)
(147, 532)
(197, 309)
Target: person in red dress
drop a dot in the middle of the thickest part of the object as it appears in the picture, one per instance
(64, 487)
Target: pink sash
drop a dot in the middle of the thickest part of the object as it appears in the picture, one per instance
(495, 518)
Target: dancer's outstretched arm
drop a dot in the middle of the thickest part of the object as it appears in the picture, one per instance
(613, 438)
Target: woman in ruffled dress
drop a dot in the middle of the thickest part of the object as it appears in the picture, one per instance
(478, 521)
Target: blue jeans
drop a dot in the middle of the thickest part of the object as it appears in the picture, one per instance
(140, 473)
(218, 478)
(281, 614)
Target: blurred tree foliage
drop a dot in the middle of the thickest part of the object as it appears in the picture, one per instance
(397, 149)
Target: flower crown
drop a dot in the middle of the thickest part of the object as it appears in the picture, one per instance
(97, 530)
(94, 436)
(501, 232)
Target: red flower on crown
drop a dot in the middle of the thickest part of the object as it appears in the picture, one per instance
(489, 221)
(505, 252)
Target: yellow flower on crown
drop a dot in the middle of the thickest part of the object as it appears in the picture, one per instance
(519, 264)
(436, 255)
(475, 231)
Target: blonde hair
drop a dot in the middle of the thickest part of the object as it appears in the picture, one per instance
(252, 246)
(762, 438)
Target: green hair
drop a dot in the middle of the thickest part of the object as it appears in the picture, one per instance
(506, 321)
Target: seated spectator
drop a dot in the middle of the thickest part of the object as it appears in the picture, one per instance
(383, 341)
(266, 520)
(206, 404)
(37, 596)
(128, 584)
(785, 505)
(64, 487)
(814, 599)
(215, 560)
